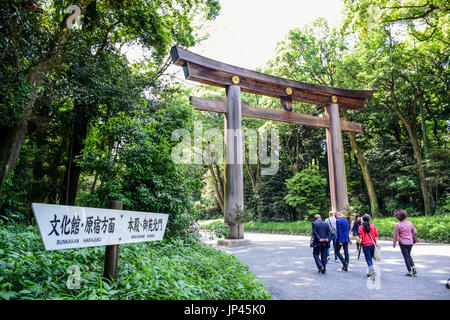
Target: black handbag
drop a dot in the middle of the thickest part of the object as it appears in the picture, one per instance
(311, 242)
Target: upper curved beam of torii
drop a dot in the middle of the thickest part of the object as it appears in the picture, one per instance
(212, 72)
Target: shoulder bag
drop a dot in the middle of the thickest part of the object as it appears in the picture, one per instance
(311, 241)
(377, 253)
(415, 240)
(333, 232)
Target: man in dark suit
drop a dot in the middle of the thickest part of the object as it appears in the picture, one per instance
(321, 243)
(342, 239)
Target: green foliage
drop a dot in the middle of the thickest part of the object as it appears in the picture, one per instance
(407, 102)
(15, 100)
(270, 193)
(142, 173)
(295, 227)
(311, 53)
(307, 192)
(217, 227)
(436, 228)
(240, 215)
(86, 83)
(425, 20)
(164, 270)
(444, 206)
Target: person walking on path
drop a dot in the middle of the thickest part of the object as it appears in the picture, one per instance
(331, 222)
(321, 243)
(195, 227)
(368, 234)
(342, 239)
(403, 233)
(354, 229)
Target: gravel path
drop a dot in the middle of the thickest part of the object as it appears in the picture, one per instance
(286, 266)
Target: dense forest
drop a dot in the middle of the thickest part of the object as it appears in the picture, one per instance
(402, 158)
(80, 124)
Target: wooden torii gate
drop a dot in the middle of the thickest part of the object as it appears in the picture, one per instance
(235, 80)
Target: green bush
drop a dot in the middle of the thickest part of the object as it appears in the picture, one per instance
(217, 227)
(269, 198)
(296, 227)
(444, 206)
(175, 269)
(307, 192)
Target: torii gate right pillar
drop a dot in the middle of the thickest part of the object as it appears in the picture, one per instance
(336, 164)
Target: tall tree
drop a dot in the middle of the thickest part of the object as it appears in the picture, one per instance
(388, 60)
(47, 36)
(425, 19)
(316, 54)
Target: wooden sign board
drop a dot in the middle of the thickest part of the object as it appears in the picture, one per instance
(67, 227)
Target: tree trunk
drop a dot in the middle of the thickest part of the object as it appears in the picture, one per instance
(294, 214)
(426, 195)
(423, 126)
(9, 150)
(55, 173)
(365, 171)
(300, 214)
(73, 169)
(294, 163)
(11, 138)
(254, 176)
(218, 186)
(422, 176)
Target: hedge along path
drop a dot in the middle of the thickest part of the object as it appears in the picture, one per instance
(434, 229)
(430, 229)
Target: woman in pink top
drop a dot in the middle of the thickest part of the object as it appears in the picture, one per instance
(403, 233)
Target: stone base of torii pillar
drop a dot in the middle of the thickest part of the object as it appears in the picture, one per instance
(232, 242)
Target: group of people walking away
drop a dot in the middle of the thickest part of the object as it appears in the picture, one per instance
(336, 231)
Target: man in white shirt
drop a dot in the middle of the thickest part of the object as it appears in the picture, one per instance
(331, 221)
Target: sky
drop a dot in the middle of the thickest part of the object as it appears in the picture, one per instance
(246, 32)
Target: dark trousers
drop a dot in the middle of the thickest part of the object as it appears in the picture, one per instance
(406, 252)
(369, 251)
(345, 261)
(320, 256)
(333, 238)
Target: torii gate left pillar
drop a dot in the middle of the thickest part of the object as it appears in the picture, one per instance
(234, 179)
(336, 164)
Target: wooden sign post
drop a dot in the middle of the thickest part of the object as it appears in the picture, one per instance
(235, 80)
(112, 252)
